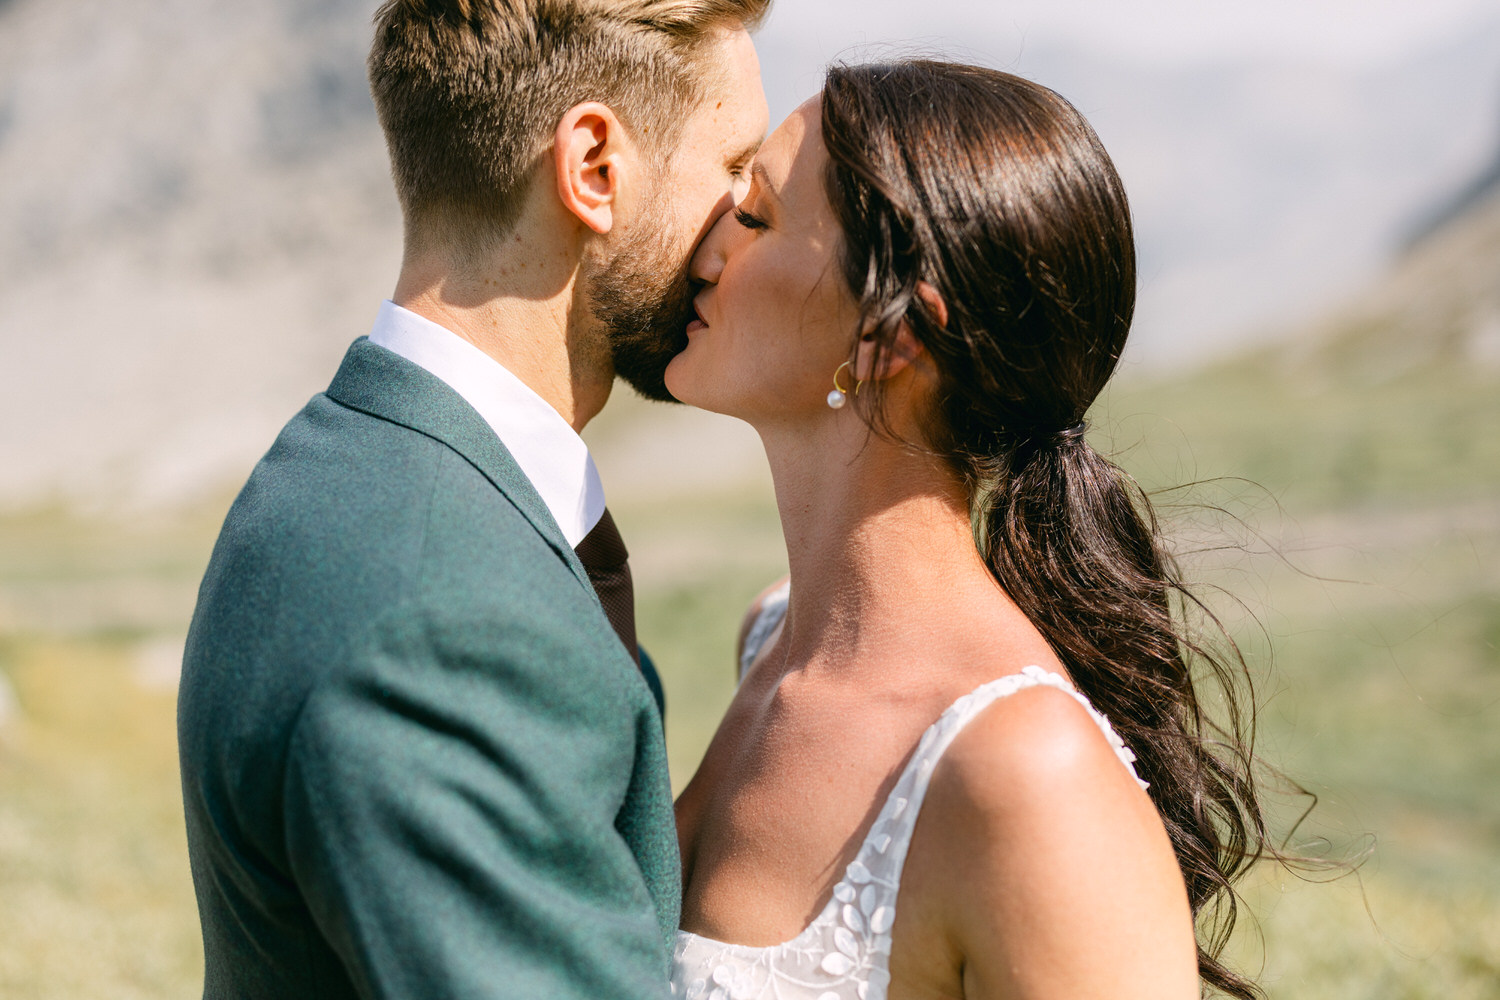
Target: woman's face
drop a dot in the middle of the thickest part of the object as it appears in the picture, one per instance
(775, 319)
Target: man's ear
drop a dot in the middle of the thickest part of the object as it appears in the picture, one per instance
(589, 157)
(905, 348)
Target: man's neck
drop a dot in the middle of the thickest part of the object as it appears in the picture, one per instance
(522, 315)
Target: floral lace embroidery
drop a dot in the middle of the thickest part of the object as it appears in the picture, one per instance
(844, 953)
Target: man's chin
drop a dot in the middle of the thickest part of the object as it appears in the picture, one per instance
(641, 362)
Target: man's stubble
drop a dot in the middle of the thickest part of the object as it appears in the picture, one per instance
(642, 299)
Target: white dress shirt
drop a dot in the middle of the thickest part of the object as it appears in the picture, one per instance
(548, 450)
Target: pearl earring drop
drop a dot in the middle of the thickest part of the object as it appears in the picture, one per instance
(837, 398)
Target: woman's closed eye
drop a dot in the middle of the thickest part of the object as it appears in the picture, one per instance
(747, 220)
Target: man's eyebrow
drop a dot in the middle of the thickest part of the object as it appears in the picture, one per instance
(747, 154)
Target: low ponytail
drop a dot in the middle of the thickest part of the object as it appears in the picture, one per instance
(1076, 545)
(996, 193)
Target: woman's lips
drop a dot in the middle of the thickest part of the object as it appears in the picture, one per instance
(696, 323)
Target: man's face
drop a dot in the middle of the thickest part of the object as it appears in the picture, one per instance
(641, 294)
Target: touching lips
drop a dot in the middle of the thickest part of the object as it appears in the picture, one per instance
(697, 322)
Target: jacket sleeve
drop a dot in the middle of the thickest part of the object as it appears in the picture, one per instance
(450, 814)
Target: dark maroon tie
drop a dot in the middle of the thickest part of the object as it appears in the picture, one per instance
(606, 561)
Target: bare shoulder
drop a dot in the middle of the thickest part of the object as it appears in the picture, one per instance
(1016, 754)
(752, 614)
(1038, 841)
(1035, 771)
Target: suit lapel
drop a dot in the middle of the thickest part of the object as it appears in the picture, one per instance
(383, 384)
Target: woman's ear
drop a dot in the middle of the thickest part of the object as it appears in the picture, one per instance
(905, 348)
(933, 300)
(589, 156)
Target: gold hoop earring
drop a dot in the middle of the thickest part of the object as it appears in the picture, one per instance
(837, 398)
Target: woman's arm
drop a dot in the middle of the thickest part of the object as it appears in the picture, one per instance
(1047, 866)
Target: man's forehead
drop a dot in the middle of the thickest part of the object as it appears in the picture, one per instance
(741, 49)
(735, 101)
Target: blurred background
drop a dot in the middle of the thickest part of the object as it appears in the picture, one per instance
(196, 219)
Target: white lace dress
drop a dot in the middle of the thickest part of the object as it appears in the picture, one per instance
(844, 953)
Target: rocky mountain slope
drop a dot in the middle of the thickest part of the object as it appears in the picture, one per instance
(195, 217)
(196, 220)
(1439, 304)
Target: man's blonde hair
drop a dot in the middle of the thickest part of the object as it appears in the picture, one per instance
(469, 92)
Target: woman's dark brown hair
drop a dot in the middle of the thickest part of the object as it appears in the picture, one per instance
(997, 192)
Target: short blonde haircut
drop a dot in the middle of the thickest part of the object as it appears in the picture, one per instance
(469, 92)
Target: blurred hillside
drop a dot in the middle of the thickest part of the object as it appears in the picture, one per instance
(1439, 306)
(1390, 399)
(1355, 548)
(195, 216)
(195, 220)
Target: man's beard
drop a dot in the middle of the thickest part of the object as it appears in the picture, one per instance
(643, 300)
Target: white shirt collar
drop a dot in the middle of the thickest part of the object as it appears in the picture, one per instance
(544, 445)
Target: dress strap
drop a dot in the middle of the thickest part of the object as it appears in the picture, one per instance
(883, 853)
(772, 611)
(850, 940)
(941, 734)
(844, 953)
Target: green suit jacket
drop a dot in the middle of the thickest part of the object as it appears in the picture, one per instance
(416, 760)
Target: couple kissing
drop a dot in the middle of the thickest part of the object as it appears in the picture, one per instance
(422, 750)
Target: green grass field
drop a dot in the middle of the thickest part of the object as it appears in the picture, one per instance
(1351, 530)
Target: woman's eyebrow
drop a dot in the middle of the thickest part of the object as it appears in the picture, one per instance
(758, 174)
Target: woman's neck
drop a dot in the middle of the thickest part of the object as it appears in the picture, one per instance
(879, 545)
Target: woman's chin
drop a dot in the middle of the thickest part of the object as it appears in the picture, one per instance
(684, 381)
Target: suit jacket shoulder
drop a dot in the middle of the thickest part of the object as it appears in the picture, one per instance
(408, 733)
